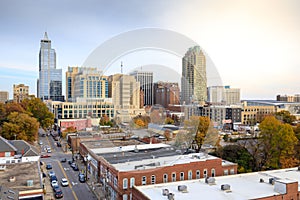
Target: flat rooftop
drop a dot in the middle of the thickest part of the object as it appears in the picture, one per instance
(97, 144)
(22, 172)
(242, 186)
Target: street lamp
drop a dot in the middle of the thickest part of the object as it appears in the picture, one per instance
(86, 167)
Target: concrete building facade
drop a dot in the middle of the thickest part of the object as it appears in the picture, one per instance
(146, 84)
(4, 96)
(21, 92)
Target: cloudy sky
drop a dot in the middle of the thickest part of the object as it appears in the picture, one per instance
(254, 44)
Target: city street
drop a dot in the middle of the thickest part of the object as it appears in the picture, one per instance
(75, 190)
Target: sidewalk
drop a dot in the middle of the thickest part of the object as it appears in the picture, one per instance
(92, 183)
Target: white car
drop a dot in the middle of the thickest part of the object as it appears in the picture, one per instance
(64, 182)
(51, 173)
(54, 183)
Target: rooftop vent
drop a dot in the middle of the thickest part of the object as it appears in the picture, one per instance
(210, 180)
(165, 192)
(272, 181)
(182, 188)
(30, 183)
(2, 167)
(171, 196)
(261, 180)
(225, 187)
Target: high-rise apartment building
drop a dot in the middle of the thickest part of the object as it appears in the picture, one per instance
(3, 96)
(85, 82)
(21, 92)
(146, 85)
(232, 95)
(49, 84)
(166, 93)
(193, 80)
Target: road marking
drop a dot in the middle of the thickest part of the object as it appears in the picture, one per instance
(63, 171)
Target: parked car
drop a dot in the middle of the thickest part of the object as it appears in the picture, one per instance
(58, 144)
(81, 177)
(54, 183)
(64, 182)
(55, 187)
(76, 168)
(58, 194)
(53, 178)
(48, 166)
(45, 156)
(51, 173)
(63, 160)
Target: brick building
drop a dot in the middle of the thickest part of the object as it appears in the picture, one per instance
(119, 168)
(268, 185)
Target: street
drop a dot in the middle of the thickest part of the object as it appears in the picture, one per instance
(75, 190)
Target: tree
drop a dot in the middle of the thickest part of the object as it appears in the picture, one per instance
(237, 154)
(285, 116)
(39, 110)
(277, 142)
(20, 126)
(169, 120)
(104, 121)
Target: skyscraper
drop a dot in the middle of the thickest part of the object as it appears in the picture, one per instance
(193, 80)
(146, 85)
(49, 84)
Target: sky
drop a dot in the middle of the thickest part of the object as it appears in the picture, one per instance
(254, 44)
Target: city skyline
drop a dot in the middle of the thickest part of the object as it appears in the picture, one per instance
(252, 46)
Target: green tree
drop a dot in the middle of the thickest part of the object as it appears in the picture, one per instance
(285, 117)
(277, 142)
(20, 126)
(39, 111)
(104, 121)
(237, 154)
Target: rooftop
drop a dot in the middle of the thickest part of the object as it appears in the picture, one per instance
(16, 176)
(242, 186)
(98, 144)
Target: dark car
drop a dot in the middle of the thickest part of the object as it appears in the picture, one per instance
(49, 166)
(58, 194)
(58, 144)
(81, 178)
(55, 188)
(63, 160)
(75, 168)
(52, 178)
(70, 162)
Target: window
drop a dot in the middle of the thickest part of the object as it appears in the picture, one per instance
(225, 172)
(132, 182)
(144, 180)
(232, 171)
(125, 196)
(205, 173)
(190, 175)
(182, 176)
(198, 174)
(125, 183)
(213, 172)
(165, 178)
(153, 179)
(173, 176)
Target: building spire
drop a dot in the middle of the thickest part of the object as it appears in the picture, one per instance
(46, 36)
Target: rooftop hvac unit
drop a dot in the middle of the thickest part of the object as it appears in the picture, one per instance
(225, 187)
(171, 196)
(30, 183)
(182, 188)
(2, 167)
(261, 180)
(210, 180)
(272, 181)
(165, 192)
(12, 179)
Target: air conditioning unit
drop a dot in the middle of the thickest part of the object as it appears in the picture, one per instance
(210, 180)
(30, 183)
(165, 192)
(171, 196)
(225, 187)
(182, 188)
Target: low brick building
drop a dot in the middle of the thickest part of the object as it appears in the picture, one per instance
(119, 168)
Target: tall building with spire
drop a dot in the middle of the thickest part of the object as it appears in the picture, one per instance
(49, 84)
(193, 80)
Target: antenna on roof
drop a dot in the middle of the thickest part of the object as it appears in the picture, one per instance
(121, 67)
